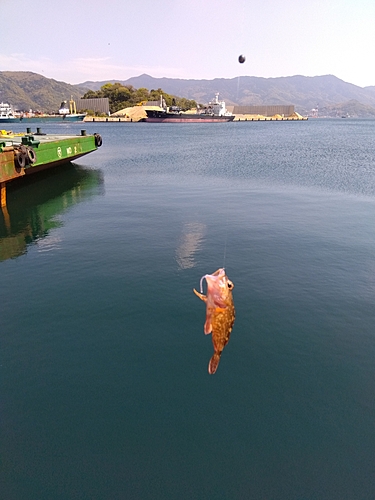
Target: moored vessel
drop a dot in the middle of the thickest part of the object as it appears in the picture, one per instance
(215, 111)
(27, 153)
(65, 113)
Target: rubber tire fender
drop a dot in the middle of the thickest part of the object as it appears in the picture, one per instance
(31, 155)
(22, 149)
(20, 160)
(98, 140)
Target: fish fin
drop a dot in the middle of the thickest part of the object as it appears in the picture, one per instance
(200, 295)
(214, 363)
(208, 325)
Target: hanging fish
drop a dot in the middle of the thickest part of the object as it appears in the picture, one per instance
(220, 312)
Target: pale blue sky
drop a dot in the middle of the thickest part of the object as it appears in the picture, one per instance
(78, 40)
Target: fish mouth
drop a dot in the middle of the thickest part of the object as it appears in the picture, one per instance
(219, 273)
(216, 276)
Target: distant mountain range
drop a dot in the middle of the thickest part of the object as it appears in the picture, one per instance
(330, 95)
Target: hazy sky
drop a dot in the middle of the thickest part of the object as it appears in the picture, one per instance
(78, 40)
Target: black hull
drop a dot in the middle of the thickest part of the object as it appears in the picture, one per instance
(164, 117)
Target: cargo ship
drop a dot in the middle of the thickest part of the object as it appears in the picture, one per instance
(65, 114)
(27, 153)
(215, 111)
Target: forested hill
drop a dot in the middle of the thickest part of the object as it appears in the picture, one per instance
(333, 97)
(25, 90)
(330, 94)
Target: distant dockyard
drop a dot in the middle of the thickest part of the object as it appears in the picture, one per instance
(241, 113)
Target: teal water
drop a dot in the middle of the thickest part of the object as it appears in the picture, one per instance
(103, 361)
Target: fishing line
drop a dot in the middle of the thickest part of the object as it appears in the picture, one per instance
(241, 60)
(238, 88)
(226, 238)
(227, 214)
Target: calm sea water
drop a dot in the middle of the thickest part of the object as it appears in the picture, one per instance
(103, 364)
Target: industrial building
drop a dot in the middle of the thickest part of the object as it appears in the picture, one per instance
(99, 105)
(263, 110)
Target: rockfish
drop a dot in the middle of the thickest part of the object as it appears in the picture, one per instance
(220, 312)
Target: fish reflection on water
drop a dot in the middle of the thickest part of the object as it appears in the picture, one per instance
(220, 312)
(190, 242)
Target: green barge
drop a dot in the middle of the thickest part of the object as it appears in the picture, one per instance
(28, 153)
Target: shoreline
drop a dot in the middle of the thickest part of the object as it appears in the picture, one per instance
(237, 118)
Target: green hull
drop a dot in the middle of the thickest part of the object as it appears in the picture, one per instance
(25, 154)
(28, 153)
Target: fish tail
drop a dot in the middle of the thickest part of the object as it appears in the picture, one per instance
(214, 363)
